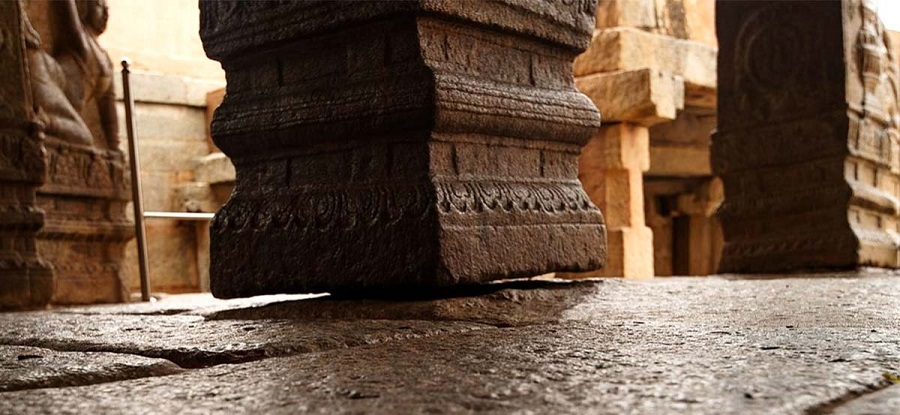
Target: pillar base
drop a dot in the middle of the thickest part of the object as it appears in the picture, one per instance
(400, 145)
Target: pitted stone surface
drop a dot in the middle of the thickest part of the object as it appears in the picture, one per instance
(679, 345)
(569, 368)
(32, 367)
(191, 341)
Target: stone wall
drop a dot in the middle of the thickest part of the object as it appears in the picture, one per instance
(159, 36)
(171, 118)
(684, 19)
(171, 79)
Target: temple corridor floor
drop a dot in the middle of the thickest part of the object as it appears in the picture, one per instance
(811, 345)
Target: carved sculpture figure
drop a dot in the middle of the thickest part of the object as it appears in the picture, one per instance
(79, 68)
(87, 64)
(72, 86)
(85, 193)
(48, 84)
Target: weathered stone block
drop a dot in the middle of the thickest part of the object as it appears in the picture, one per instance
(167, 122)
(679, 161)
(632, 13)
(624, 48)
(807, 136)
(158, 88)
(170, 156)
(610, 168)
(641, 96)
(399, 144)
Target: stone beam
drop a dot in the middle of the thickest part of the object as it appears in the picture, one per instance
(807, 137)
(679, 161)
(681, 148)
(25, 279)
(642, 96)
(400, 145)
(627, 49)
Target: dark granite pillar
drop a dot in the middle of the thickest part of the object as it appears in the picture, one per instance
(25, 280)
(388, 144)
(807, 140)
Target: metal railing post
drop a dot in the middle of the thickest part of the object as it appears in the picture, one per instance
(136, 192)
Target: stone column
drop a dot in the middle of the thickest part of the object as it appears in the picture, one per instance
(807, 141)
(392, 145)
(611, 167)
(639, 77)
(25, 279)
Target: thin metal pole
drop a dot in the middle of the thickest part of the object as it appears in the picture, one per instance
(137, 195)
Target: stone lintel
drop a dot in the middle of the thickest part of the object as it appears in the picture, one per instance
(641, 96)
(679, 161)
(156, 88)
(625, 48)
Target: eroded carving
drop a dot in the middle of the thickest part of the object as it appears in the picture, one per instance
(25, 279)
(85, 194)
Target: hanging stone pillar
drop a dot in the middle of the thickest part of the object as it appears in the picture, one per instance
(385, 144)
(807, 140)
(25, 280)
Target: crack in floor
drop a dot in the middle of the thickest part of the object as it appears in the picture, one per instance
(191, 360)
(830, 406)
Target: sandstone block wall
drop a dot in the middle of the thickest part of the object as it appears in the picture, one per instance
(171, 79)
(171, 117)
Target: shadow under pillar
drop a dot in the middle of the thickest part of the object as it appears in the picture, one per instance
(400, 145)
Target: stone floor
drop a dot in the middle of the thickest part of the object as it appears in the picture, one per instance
(816, 345)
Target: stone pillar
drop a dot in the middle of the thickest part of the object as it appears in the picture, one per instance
(611, 167)
(392, 145)
(639, 75)
(25, 279)
(807, 141)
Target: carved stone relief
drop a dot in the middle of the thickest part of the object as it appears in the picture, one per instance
(25, 279)
(807, 137)
(85, 193)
